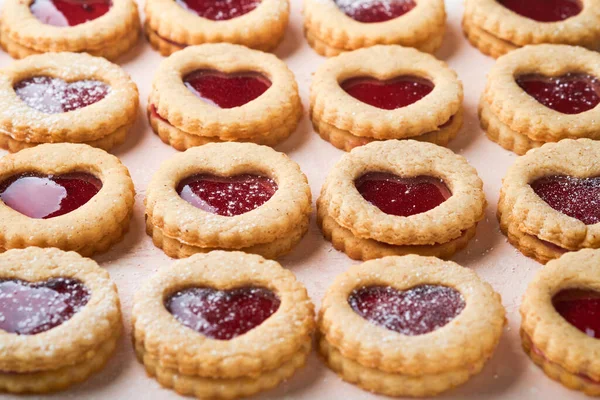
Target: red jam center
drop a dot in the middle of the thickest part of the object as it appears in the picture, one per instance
(402, 196)
(375, 10)
(227, 196)
(569, 94)
(581, 308)
(69, 12)
(391, 94)
(219, 10)
(220, 314)
(53, 95)
(576, 197)
(29, 308)
(413, 312)
(226, 90)
(39, 196)
(544, 10)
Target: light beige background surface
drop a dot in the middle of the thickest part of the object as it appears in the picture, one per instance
(509, 375)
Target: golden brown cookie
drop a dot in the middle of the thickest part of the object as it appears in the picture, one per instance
(334, 26)
(234, 196)
(222, 93)
(65, 97)
(222, 325)
(102, 28)
(60, 319)
(559, 320)
(69, 196)
(409, 326)
(173, 25)
(397, 197)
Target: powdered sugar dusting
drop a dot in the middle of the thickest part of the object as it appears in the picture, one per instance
(375, 10)
(219, 10)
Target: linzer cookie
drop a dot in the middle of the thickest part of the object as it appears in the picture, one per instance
(497, 27)
(400, 197)
(69, 196)
(65, 97)
(173, 25)
(560, 328)
(409, 326)
(232, 196)
(103, 28)
(223, 93)
(542, 94)
(335, 26)
(385, 92)
(222, 325)
(549, 200)
(60, 319)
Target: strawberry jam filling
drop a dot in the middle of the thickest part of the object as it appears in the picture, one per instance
(581, 308)
(544, 10)
(412, 312)
(226, 90)
(53, 95)
(48, 196)
(222, 314)
(402, 196)
(389, 94)
(219, 10)
(572, 93)
(576, 197)
(227, 196)
(69, 12)
(369, 11)
(29, 308)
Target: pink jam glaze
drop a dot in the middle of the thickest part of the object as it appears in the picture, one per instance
(581, 308)
(43, 197)
(412, 312)
(544, 10)
(390, 94)
(53, 95)
(369, 11)
(227, 196)
(576, 197)
(29, 308)
(69, 12)
(222, 315)
(402, 196)
(569, 94)
(226, 90)
(219, 10)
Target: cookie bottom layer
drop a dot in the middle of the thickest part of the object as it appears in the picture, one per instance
(484, 41)
(390, 384)
(220, 388)
(176, 249)
(557, 372)
(62, 378)
(181, 140)
(346, 141)
(356, 248)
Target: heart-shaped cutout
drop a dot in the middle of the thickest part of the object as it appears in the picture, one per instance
(29, 308)
(69, 12)
(222, 314)
(544, 10)
(576, 197)
(390, 94)
(39, 196)
(412, 312)
(227, 196)
(569, 94)
(369, 11)
(219, 10)
(53, 95)
(226, 90)
(581, 308)
(403, 197)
